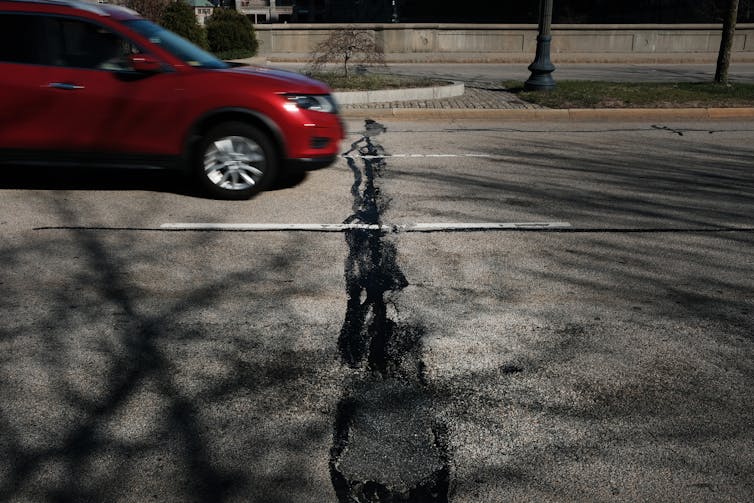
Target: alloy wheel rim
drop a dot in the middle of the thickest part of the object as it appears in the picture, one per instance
(234, 163)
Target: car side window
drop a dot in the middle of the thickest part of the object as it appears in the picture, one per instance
(81, 44)
(19, 39)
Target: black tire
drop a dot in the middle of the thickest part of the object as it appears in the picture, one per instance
(235, 161)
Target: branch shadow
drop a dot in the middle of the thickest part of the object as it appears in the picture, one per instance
(117, 389)
(609, 363)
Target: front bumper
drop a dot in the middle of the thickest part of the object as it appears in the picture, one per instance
(312, 135)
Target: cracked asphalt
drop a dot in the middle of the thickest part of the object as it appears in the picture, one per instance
(609, 360)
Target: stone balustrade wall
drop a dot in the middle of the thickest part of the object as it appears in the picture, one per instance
(516, 43)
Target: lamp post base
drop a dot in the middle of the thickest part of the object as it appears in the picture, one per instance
(542, 68)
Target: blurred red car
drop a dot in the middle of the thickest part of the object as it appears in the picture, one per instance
(90, 84)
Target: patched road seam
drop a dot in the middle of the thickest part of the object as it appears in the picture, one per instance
(387, 444)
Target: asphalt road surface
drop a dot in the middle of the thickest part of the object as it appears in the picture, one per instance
(455, 311)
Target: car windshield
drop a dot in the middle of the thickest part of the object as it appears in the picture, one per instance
(176, 45)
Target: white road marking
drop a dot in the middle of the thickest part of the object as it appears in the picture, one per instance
(413, 156)
(480, 226)
(417, 227)
(268, 227)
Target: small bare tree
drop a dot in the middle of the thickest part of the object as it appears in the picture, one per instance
(347, 46)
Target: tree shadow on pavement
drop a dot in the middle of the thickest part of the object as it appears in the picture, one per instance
(132, 372)
(613, 360)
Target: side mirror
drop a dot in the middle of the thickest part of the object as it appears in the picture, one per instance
(144, 63)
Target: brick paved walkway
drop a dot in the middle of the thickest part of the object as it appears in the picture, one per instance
(476, 95)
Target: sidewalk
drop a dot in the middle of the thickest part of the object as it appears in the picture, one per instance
(475, 96)
(481, 73)
(739, 72)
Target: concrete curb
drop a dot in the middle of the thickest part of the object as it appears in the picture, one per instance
(409, 94)
(547, 114)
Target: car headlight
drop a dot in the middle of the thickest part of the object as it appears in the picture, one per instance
(315, 102)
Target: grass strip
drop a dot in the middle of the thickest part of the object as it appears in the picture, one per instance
(595, 94)
(372, 82)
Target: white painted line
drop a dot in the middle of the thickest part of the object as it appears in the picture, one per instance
(418, 227)
(267, 227)
(441, 226)
(415, 156)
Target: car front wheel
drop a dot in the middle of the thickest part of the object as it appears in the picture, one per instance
(235, 161)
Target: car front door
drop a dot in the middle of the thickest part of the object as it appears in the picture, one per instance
(103, 103)
(30, 104)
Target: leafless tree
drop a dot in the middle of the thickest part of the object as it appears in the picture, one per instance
(726, 44)
(347, 46)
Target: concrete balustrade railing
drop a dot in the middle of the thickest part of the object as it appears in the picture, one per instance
(516, 43)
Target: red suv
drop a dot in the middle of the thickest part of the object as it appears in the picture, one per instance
(91, 84)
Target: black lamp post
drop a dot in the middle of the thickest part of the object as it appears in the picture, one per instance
(542, 67)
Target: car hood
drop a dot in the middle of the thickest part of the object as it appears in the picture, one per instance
(281, 80)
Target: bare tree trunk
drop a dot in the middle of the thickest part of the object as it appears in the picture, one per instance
(729, 28)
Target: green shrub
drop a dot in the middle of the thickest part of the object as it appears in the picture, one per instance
(179, 18)
(231, 35)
